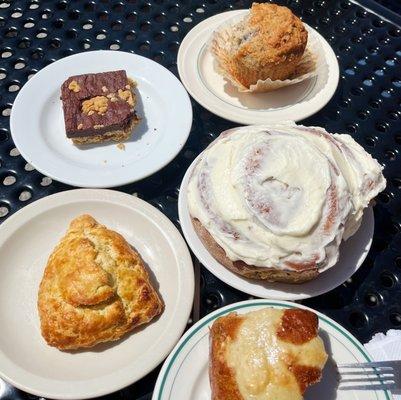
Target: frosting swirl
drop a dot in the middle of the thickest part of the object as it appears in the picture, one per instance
(283, 196)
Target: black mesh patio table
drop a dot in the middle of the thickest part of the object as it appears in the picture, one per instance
(367, 40)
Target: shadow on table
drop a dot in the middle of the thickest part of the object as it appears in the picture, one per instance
(327, 388)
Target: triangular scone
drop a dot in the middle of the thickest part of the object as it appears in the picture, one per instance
(268, 354)
(94, 289)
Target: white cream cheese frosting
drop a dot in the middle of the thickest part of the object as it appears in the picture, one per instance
(283, 196)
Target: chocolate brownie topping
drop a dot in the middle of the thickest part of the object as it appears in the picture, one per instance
(97, 103)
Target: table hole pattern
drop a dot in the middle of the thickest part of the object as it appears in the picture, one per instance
(366, 106)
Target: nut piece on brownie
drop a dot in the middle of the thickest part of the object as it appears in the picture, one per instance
(99, 107)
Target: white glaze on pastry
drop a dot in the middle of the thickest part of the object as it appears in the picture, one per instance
(261, 360)
(283, 196)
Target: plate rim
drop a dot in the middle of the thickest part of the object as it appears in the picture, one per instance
(22, 216)
(241, 116)
(186, 227)
(204, 322)
(71, 181)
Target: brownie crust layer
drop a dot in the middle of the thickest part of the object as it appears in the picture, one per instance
(118, 135)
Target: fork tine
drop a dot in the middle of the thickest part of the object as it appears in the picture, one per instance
(382, 380)
(383, 373)
(389, 386)
(375, 364)
(366, 370)
(380, 375)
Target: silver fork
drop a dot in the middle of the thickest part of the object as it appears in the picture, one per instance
(381, 375)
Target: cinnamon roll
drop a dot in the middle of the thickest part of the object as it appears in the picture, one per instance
(275, 202)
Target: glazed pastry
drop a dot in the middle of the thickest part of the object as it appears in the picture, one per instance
(269, 354)
(274, 202)
(94, 289)
(267, 44)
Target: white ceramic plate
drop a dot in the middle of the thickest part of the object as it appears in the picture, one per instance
(352, 254)
(296, 102)
(37, 124)
(26, 241)
(185, 372)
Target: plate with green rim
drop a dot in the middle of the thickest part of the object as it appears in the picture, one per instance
(184, 374)
(200, 76)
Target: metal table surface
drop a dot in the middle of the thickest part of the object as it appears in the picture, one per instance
(367, 40)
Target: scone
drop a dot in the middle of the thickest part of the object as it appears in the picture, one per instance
(269, 354)
(267, 44)
(95, 288)
(275, 202)
(99, 107)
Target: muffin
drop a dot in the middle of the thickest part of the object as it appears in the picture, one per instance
(274, 202)
(269, 43)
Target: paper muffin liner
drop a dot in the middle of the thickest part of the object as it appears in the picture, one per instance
(311, 63)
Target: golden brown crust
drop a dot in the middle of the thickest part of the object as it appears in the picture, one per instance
(271, 46)
(222, 378)
(281, 35)
(306, 376)
(241, 365)
(298, 326)
(308, 271)
(94, 289)
(276, 49)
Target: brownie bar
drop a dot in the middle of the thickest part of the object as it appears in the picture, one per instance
(98, 106)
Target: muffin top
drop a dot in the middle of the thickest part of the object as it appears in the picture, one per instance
(277, 34)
